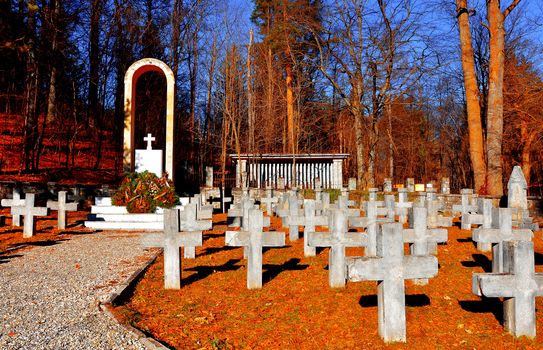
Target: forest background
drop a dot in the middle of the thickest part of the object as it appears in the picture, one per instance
(382, 80)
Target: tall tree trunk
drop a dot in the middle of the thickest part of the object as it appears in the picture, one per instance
(94, 61)
(290, 106)
(527, 138)
(250, 103)
(31, 89)
(473, 109)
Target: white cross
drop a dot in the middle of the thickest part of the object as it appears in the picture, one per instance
(149, 139)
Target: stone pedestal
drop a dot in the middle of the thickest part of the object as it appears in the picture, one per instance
(149, 160)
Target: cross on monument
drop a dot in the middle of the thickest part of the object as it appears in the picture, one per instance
(391, 268)
(29, 211)
(62, 207)
(500, 233)
(254, 239)
(337, 239)
(149, 139)
(171, 240)
(518, 285)
(15, 202)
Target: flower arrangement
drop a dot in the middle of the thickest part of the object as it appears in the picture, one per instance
(144, 192)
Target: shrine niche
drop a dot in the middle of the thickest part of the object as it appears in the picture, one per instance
(134, 72)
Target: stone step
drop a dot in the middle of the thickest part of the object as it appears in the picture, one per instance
(103, 209)
(126, 217)
(115, 225)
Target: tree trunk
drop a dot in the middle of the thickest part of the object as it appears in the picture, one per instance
(475, 130)
(290, 107)
(494, 115)
(527, 138)
(94, 62)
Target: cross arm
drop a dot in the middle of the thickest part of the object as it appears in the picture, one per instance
(438, 235)
(273, 239)
(237, 238)
(415, 266)
(493, 285)
(364, 269)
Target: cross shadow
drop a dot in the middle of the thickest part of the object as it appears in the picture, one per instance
(39, 244)
(213, 250)
(493, 305)
(14, 230)
(464, 240)
(265, 249)
(411, 300)
(479, 260)
(538, 258)
(6, 258)
(205, 271)
(272, 271)
(76, 223)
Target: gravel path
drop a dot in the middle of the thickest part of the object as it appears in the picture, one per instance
(49, 296)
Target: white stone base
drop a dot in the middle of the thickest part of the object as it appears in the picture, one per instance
(107, 225)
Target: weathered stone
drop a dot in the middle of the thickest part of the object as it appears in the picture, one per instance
(254, 239)
(337, 239)
(391, 268)
(188, 221)
(410, 184)
(170, 241)
(445, 185)
(518, 285)
(387, 185)
(501, 232)
(15, 202)
(401, 207)
(309, 223)
(352, 184)
(29, 211)
(62, 207)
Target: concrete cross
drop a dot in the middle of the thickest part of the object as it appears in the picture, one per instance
(337, 239)
(15, 202)
(434, 205)
(391, 268)
(29, 211)
(293, 219)
(390, 207)
(149, 139)
(322, 203)
(62, 207)
(254, 239)
(188, 221)
(203, 211)
(501, 232)
(421, 239)
(518, 285)
(402, 205)
(466, 205)
(370, 223)
(171, 240)
(309, 221)
(268, 201)
(344, 204)
(237, 211)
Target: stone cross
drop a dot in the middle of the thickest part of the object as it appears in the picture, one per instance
(391, 268)
(310, 220)
(421, 239)
(501, 232)
(518, 285)
(445, 185)
(318, 189)
(370, 223)
(517, 189)
(15, 202)
(390, 207)
(254, 239)
(352, 184)
(188, 221)
(410, 184)
(171, 240)
(387, 185)
(149, 139)
(323, 204)
(401, 207)
(209, 176)
(203, 211)
(293, 218)
(268, 201)
(62, 207)
(466, 205)
(337, 239)
(29, 211)
(434, 205)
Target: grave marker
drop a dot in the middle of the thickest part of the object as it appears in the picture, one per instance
(254, 239)
(310, 221)
(15, 202)
(518, 285)
(170, 241)
(29, 211)
(62, 207)
(390, 269)
(501, 232)
(337, 239)
(188, 221)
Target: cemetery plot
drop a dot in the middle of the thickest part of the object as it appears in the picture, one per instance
(296, 308)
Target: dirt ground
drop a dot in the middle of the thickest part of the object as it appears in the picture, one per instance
(296, 309)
